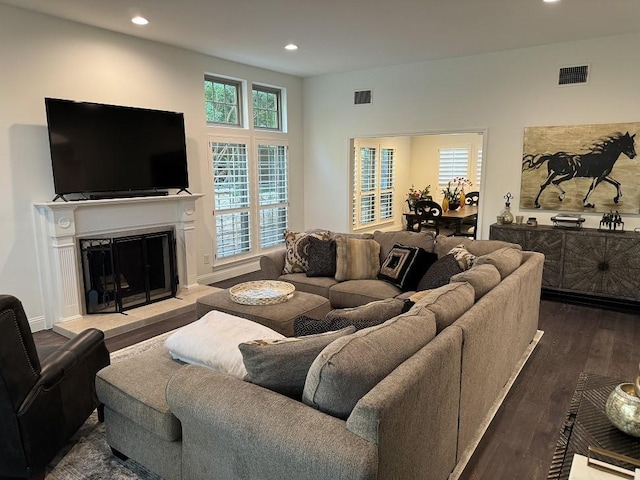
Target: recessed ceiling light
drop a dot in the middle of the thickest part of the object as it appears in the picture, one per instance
(291, 47)
(139, 20)
(551, 1)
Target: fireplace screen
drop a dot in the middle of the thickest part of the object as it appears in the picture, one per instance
(126, 272)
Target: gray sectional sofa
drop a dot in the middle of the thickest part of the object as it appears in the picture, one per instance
(408, 398)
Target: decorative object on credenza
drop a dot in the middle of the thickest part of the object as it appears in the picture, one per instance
(532, 221)
(507, 216)
(611, 222)
(623, 409)
(557, 160)
(565, 220)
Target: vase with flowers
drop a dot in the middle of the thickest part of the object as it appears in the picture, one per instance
(416, 194)
(454, 193)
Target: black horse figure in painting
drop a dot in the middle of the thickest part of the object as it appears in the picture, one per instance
(596, 164)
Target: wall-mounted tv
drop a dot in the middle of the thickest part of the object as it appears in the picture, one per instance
(97, 148)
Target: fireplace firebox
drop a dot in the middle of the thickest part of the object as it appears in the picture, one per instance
(125, 272)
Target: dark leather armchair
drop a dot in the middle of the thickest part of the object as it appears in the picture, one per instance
(42, 404)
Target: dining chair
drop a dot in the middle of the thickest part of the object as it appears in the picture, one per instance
(430, 215)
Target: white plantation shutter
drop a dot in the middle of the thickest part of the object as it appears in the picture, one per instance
(454, 162)
(386, 183)
(368, 168)
(478, 169)
(273, 193)
(231, 198)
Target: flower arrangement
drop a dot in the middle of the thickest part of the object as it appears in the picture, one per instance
(416, 194)
(454, 188)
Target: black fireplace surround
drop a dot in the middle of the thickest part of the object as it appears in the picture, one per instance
(125, 272)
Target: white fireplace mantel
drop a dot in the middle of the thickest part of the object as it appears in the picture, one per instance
(59, 225)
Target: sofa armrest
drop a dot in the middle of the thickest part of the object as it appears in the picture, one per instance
(240, 430)
(272, 264)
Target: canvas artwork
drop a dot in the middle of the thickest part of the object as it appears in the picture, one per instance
(581, 168)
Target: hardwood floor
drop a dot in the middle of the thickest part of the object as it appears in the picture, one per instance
(521, 439)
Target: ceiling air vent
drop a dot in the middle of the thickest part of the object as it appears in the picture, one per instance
(576, 75)
(362, 97)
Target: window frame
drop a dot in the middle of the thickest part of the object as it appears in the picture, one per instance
(256, 87)
(238, 85)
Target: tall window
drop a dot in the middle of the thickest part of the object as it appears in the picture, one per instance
(454, 162)
(266, 108)
(222, 101)
(231, 198)
(373, 185)
(478, 168)
(247, 222)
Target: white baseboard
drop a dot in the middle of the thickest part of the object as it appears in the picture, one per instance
(226, 272)
(38, 323)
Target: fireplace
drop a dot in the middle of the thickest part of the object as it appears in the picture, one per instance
(161, 221)
(125, 272)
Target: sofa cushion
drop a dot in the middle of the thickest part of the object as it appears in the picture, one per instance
(281, 365)
(404, 266)
(351, 366)
(303, 283)
(476, 247)
(439, 273)
(447, 303)
(322, 257)
(387, 240)
(356, 259)
(296, 259)
(482, 278)
(212, 341)
(368, 315)
(506, 260)
(358, 292)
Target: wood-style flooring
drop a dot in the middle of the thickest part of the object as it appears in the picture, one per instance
(521, 439)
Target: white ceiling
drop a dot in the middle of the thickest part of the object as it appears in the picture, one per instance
(342, 35)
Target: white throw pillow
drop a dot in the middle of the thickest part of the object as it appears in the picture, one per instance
(212, 342)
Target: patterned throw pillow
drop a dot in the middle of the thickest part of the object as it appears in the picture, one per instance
(322, 258)
(296, 259)
(465, 258)
(304, 325)
(405, 266)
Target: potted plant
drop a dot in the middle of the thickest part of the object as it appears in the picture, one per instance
(454, 193)
(416, 194)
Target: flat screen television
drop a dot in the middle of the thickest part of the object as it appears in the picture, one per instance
(97, 148)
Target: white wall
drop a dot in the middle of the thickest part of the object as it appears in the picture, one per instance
(47, 57)
(500, 92)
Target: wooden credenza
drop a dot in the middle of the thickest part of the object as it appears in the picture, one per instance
(582, 265)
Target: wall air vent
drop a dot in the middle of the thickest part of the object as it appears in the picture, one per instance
(362, 97)
(576, 75)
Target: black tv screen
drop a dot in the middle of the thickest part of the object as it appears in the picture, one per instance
(109, 148)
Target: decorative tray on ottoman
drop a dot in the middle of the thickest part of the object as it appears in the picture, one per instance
(261, 292)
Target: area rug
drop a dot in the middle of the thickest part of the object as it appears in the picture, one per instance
(87, 455)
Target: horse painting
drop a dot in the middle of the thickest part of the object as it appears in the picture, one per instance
(597, 164)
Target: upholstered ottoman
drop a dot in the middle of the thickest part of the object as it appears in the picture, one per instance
(278, 317)
(138, 421)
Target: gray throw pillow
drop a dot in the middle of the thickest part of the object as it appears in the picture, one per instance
(282, 365)
(304, 325)
(322, 258)
(506, 260)
(351, 366)
(482, 278)
(439, 273)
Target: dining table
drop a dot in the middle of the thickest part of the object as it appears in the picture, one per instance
(453, 217)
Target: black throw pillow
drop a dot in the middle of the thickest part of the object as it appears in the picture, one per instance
(322, 258)
(439, 273)
(405, 266)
